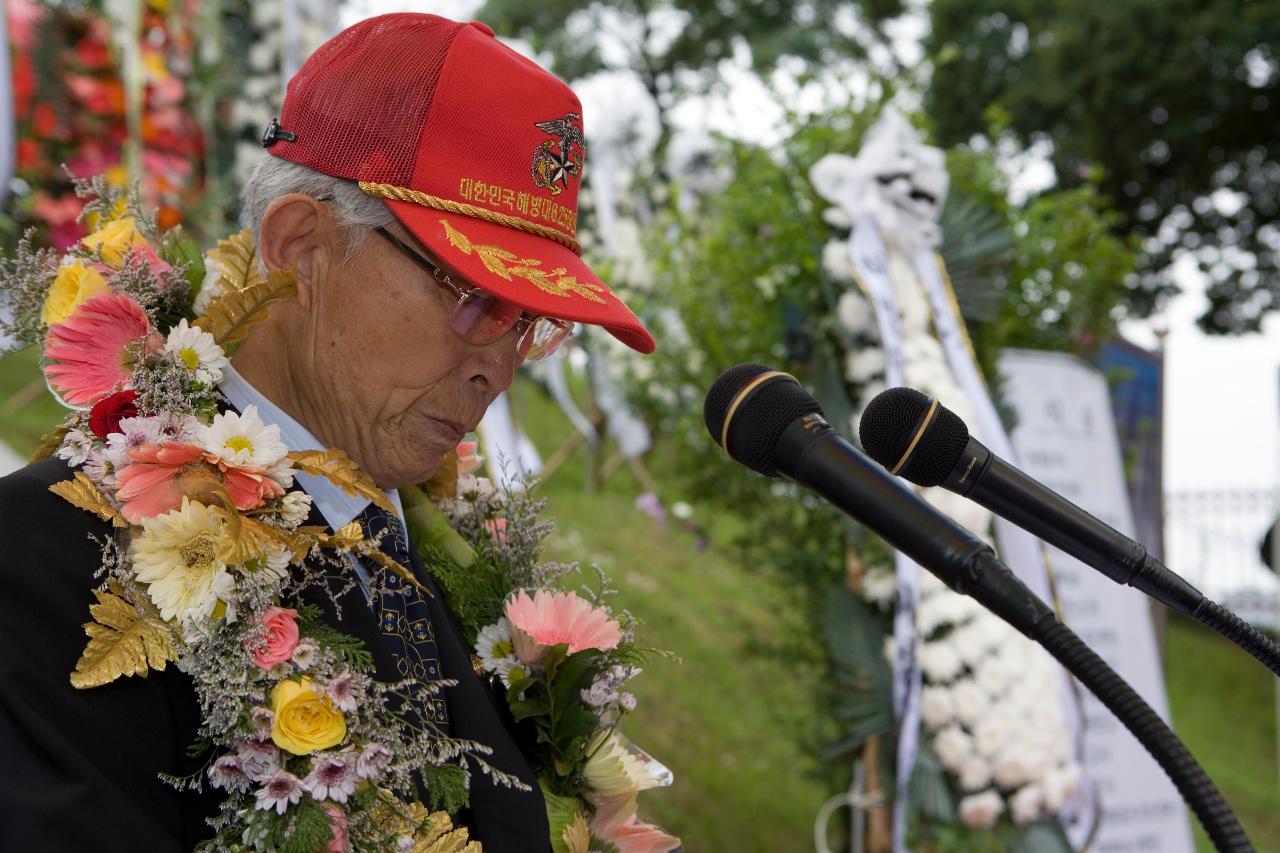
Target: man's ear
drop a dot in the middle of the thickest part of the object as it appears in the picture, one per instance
(296, 234)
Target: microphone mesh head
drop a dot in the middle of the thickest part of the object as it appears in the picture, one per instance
(760, 418)
(891, 421)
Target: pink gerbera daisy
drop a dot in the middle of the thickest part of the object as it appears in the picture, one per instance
(148, 486)
(615, 821)
(91, 348)
(551, 618)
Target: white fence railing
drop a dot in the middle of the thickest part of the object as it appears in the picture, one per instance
(1213, 538)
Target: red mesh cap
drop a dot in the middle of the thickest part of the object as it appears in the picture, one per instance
(478, 151)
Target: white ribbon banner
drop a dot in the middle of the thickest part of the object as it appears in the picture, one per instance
(1020, 551)
(871, 262)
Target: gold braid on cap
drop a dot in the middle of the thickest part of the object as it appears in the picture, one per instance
(414, 196)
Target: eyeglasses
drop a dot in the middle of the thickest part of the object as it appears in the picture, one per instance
(481, 318)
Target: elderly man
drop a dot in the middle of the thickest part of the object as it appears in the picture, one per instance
(423, 183)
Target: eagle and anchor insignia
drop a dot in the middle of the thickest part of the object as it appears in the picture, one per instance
(558, 160)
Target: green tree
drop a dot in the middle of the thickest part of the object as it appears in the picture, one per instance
(660, 40)
(1173, 108)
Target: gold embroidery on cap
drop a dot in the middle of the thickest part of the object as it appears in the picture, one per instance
(425, 200)
(553, 168)
(510, 266)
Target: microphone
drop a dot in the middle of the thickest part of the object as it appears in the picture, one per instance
(765, 420)
(921, 440)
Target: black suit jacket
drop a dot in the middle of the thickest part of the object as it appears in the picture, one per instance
(80, 766)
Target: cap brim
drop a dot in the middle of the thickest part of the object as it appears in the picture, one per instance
(539, 274)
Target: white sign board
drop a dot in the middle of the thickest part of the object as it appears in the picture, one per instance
(1066, 438)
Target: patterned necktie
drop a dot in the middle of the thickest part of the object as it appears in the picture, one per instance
(402, 614)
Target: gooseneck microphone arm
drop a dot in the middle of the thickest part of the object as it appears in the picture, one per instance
(780, 430)
(940, 452)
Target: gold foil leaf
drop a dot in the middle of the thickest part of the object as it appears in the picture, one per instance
(123, 640)
(81, 492)
(339, 469)
(345, 537)
(400, 571)
(49, 443)
(444, 482)
(238, 258)
(231, 315)
(441, 836)
(432, 832)
(250, 540)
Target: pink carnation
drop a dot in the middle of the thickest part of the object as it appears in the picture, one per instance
(90, 349)
(280, 637)
(552, 618)
(249, 487)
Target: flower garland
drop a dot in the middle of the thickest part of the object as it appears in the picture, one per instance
(211, 553)
(991, 702)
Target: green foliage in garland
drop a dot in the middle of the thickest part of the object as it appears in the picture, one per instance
(475, 593)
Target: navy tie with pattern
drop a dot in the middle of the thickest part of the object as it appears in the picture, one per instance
(402, 614)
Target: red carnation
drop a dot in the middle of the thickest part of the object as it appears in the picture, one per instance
(105, 416)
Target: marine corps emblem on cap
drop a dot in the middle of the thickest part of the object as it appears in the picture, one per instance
(553, 169)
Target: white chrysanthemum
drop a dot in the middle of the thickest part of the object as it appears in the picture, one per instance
(937, 708)
(243, 440)
(980, 811)
(211, 288)
(294, 508)
(1060, 785)
(863, 365)
(836, 264)
(879, 586)
(177, 556)
(282, 473)
(975, 773)
(940, 662)
(195, 349)
(953, 747)
(75, 448)
(275, 563)
(854, 313)
(1025, 805)
(971, 702)
(494, 648)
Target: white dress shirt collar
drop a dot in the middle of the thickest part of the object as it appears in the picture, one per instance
(337, 507)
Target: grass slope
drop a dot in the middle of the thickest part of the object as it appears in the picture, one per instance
(1223, 704)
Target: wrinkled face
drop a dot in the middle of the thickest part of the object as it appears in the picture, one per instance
(387, 379)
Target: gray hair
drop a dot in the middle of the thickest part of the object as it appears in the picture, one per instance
(356, 210)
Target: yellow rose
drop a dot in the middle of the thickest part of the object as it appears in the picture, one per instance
(74, 285)
(117, 237)
(305, 721)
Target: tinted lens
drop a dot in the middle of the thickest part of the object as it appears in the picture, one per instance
(543, 338)
(482, 317)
